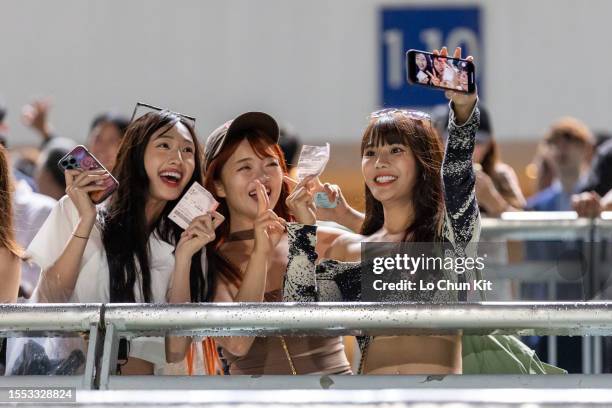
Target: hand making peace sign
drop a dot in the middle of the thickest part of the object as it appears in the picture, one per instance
(269, 227)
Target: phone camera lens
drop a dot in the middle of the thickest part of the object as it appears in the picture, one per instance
(64, 163)
(72, 160)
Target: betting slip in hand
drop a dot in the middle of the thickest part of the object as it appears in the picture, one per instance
(196, 201)
(312, 161)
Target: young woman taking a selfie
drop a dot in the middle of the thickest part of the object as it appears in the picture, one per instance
(414, 193)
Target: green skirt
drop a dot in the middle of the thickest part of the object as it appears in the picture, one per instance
(503, 354)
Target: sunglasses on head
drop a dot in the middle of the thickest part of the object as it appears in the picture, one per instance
(143, 107)
(412, 114)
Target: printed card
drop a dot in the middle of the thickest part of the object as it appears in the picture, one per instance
(196, 201)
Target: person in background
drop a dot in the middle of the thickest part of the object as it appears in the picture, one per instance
(546, 173)
(105, 132)
(601, 137)
(289, 142)
(596, 193)
(48, 176)
(3, 125)
(18, 172)
(30, 210)
(569, 144)
(569, 147)
(105, 135)
(11, 253)
(497, 187)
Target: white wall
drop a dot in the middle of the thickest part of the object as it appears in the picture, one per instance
(312, 63)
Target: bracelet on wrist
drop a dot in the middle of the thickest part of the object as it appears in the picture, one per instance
(78, 236)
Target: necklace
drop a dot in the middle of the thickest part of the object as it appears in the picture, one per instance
(243, 235)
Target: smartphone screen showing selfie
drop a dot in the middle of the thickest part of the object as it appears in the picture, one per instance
(427, 69)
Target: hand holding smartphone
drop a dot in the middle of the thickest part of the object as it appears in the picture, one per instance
(440, 71)
(81, 159)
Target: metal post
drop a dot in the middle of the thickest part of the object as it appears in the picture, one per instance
(597, 354)
(109, 355)
(552, 340)
(92, 352)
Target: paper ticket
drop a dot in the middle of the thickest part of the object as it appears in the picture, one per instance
(196, 201)
(312, 161)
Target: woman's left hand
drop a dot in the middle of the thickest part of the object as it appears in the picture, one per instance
(463, 103)
(200, 232)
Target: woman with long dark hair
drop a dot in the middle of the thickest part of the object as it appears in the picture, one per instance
(245, 170)
(127, 250)
(424, 66)
(413, 194)
(10, 252)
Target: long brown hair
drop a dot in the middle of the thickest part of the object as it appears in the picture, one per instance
(427, 195)
(7, 234)
(264, 146)
(125, 231)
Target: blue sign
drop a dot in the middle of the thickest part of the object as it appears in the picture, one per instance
(423, 28)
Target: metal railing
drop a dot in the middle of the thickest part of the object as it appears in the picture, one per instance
(111, 322)
(333, 319)
(560, 225)
(42, 320)
(357, 318)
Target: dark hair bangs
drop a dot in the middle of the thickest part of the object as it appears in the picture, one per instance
(386, 130)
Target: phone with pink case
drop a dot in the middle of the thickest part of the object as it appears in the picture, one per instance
(80, 158)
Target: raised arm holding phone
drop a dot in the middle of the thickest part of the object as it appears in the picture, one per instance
(413, 194)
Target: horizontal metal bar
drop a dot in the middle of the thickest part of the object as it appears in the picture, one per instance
(46, 319)
(260, 319)
(605, 222)
(554, 216)
(360, 382)
(528, 271)
(539, 215)
(474, 396)
(606, 216)
(41, 381)
(578, 226)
